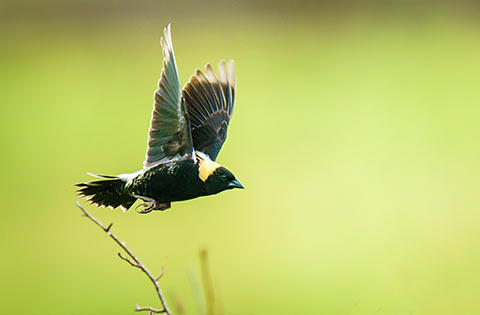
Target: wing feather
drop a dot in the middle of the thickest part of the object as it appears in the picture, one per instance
(169, 135)
(210, 100)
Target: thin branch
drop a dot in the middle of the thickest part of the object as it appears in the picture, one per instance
(128, 260)
(163, 270)
(151, 309)
(137, 263)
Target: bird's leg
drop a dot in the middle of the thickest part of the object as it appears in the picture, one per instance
(148, 205)
(151, 204)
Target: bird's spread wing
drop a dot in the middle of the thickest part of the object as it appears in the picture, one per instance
(209, 101)
(169, 134)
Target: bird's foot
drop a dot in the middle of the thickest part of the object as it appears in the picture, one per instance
(151, 204)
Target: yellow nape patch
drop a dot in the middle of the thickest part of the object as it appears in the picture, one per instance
(206, 168)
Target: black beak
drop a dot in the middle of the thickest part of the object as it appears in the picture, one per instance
(235, 184)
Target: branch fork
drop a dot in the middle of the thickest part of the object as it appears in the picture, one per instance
(134, 262)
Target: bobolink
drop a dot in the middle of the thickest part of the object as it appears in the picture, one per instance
(187, 130)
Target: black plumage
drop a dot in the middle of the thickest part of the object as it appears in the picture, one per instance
(209, 101)
(187, 130)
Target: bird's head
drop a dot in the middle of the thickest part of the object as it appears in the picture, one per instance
(221, 179)
(216, 178)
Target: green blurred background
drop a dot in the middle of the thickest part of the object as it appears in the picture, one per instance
(355, 133)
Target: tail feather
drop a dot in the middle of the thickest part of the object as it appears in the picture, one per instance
(102, 176)
(110, 192)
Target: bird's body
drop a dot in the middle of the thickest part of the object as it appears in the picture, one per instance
(167, 182)
(177, 180)
(187, 131)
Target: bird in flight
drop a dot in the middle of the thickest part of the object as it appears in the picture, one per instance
(187, 131)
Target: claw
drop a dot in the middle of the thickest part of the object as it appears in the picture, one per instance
(144, 211)
(150, 205)
(148, 208)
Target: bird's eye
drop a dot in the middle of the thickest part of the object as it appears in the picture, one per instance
(223, 177)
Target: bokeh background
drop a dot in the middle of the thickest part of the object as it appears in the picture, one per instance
(356, 134)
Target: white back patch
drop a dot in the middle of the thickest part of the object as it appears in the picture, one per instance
(128, 177)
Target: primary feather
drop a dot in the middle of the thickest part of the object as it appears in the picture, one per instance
(169, 135)
(210, 100)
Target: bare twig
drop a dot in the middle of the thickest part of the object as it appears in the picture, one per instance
(163, 270)
(128, 260)
(135, 263)
(151, 309)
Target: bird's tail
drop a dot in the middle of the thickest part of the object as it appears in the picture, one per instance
(109, 192)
